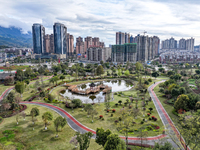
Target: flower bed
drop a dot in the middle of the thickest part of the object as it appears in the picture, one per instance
(12, 113)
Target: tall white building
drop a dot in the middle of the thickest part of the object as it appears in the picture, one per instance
(190, 44)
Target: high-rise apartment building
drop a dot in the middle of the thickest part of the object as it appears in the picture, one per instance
(71, 45)
(127, 37)
(60, 38)
(51, 44)
(80, 46)
(88, 43)
(124, 53)
(38, 32)
(190, 44)
(101, 44)
(182, 44)
(156, 46)
(47, 43)
(98, 54)
(95, 41)
(120, 38)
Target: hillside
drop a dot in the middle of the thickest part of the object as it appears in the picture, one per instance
(13, 37)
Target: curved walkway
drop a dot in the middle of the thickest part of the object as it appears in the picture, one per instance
(77, 126)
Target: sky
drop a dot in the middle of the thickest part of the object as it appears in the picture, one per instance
(103, 18)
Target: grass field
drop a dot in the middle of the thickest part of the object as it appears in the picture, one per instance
(27, 138)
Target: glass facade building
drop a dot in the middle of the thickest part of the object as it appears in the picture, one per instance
(60, 38)
(38, 32)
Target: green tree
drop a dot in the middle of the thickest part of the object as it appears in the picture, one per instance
(127, 73)
(52, 80)
(119, 72)
(47, 116)
(100, 70)
(34, 113)
(84, 140)
(28, 72)
(62, 77)
(19, 87)
(113, 141)
(56, 79)
(59, 122)
(181, 102)
(88, 108)
(166, 146)
(124, 127)
(177, 77)
(19, 75)
(138, 66)
(155, 74)
(101, 136)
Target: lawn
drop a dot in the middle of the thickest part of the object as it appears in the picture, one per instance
(26, 138)
(109, 122)
(14, 67)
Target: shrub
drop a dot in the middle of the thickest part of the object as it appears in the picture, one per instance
(77, 102)
(113, 110)
(174, 112)
(51, 97)
(116, 104)
(102, 119)
(120, 118)
(142, 122)
(116, 121)
(161, 90)
(111, 115)
(150, 109)
(150, 80)
(155, 119)
(146, 82)
(108, 111)
(101, 116)
(148, 114)
(157, 127)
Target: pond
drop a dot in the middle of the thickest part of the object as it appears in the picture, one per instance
(117, 85)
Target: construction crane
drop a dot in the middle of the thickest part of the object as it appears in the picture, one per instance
(144, 32)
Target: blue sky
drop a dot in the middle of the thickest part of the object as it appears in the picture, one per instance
(102, 18)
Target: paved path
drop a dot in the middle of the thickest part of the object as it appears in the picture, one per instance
(77, 126)
(167, 122)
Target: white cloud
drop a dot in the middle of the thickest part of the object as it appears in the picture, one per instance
(103, 18)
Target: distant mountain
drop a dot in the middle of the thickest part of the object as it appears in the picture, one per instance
(13, 37)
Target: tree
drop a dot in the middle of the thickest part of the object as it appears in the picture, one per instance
(177, 77)
(124, 128)
(19, 87)
(161, 69)
(55, 79)
(34, 113)
(181, 102)
(101, 136)
(100, 70)
(127, 73)
(8, 80)
(155, 74)
(62, 77)
(169, 73)
(119, 72)
(52, 80)
(175, 93)
(19, 74)
(47, 116)
(194, 98)
(142, 135)
(11, 100)
(83, 140)
(166, 146)
(88, 108)
(59, 122)
(101, 62)
(99, 98)
(138, 66)
(28, 72)
(113, 141)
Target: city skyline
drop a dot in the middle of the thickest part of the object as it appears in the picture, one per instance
(178, 19)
